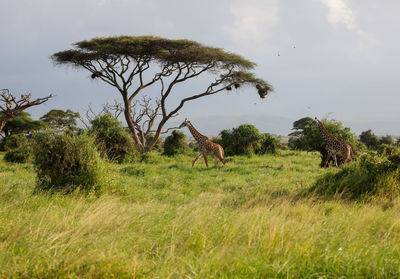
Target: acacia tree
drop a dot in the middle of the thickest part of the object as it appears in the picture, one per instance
(369, 139)
(59, 119)
(131, 64)
(21, 123)
(10, 106)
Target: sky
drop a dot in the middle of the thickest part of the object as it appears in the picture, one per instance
(326, 58)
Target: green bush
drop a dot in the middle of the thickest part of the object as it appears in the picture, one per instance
(370, 140)
(175, 143)
(113, 139)
(269, 144)
(65, 162)
(386, 140)
(15, 141)
(17, 155)
(370, 177)
(18, 149)
(387, 149)
(245, 139)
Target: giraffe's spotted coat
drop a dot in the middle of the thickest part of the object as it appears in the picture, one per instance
(206, 146)
(334, 147)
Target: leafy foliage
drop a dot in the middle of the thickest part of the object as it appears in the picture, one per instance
(370, 177)
(14, 141)
(17, 155)
(59, 119)
(21, 123)
(269, 144)
(159, 49)
(299, 125)
(386, 140)
(247, 139)
(18, 148)
(112, 138)
(175, 143)
(369, 139)
(65, 162)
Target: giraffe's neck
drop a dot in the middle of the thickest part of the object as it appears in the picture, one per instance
(197, 136)
(324, 132)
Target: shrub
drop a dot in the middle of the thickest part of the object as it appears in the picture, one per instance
(369, 139)
(269, 144)
(18, 149)
(368, 178)
(386, 149)
(15, 141)
(386, 140)
(175, 143)
(17, 155)
(245, 139)
(64, 161)
(296, 143)
(113, 139)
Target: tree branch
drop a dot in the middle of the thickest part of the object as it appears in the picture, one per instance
(11, 106)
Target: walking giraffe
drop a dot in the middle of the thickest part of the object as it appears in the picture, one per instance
(206, 146)
(334, 147)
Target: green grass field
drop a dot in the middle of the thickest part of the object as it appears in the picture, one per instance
(164, 219)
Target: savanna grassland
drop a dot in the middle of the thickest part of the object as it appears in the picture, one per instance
(161, 218)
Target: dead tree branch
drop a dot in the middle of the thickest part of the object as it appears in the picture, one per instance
(10, 106)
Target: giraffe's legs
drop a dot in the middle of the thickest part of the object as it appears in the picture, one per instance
(205, 159)
(327, 160)
(348, 155)
(335, 159)
(195, 160)
(216, 160)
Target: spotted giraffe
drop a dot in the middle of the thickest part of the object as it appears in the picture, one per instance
(206, 146)
(334, 147)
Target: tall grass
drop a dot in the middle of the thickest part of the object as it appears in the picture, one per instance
(164, 219)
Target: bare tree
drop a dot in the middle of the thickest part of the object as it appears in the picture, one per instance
(132, 64)
(10, 106)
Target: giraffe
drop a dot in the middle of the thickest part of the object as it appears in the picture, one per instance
(206, 146)
(334, 147)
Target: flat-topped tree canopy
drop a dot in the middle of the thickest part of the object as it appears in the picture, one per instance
(154, 48)
(121, 62)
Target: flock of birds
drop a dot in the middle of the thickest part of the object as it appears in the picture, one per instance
(293, 46)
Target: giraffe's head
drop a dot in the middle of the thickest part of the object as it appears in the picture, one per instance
(185, 123)
(315, 121)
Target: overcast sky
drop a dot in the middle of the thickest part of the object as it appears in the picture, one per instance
(337, 58)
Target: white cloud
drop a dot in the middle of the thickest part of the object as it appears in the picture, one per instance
(341, 13)
(253, 24)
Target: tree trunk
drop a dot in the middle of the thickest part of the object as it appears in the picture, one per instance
(151, 144)
(131, 125)
(3, 122)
